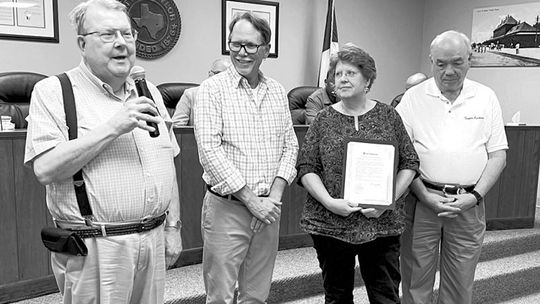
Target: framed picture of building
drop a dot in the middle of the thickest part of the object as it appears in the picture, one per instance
(506, 36)
(32, 20)
(266, 10)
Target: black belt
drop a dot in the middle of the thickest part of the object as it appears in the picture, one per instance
(228, 196)
(144, 225)
(449, 188)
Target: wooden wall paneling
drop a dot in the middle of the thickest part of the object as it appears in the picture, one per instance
(288, 223)
(510, 180)
(492, 200)
(192, 186)
(524, 171)
(298, 193)
(285, 212)
(26, 289)
(528, 187)
(9, 264)
(298, 199)
(535, 166)
(292, 207)
(294, 236)
(31, 217)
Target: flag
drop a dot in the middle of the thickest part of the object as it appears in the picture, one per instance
(330, 42)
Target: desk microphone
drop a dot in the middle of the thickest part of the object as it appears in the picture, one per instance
(138, 74)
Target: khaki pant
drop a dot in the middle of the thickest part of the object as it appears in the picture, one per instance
(118, 269)
(232, 252)
(456, 241)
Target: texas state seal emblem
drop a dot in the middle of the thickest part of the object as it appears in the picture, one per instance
(158, 23)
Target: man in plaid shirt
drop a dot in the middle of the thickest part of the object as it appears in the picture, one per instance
(247, 148)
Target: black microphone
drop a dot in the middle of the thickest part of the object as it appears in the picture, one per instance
(138, 74)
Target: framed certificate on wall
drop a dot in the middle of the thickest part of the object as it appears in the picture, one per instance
(32, 20)
(369, 173)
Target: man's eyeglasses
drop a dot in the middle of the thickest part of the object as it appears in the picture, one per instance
(110, 36)
(250, 48)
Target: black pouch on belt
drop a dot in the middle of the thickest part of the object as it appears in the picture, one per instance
(63, 241)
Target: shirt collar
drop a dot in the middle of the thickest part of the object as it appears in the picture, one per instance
(240, 81)
(468, 90)
(105, 87)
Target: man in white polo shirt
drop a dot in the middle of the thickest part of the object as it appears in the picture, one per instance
(457, 130)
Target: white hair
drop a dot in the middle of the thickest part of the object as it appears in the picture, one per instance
(452, 35)
(78, 15)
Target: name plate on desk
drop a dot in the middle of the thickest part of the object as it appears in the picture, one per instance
(369, 173)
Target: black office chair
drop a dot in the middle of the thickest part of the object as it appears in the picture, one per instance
(297, 103)
(15, 93)
(171, 93)
(396, 100)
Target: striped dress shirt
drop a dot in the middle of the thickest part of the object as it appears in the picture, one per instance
(244, 136)
(131, 178)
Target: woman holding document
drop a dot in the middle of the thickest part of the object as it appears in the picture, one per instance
(360, 130)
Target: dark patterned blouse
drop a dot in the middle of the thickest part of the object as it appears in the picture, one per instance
(322, 154)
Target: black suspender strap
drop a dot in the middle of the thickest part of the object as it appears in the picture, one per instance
(71, 122)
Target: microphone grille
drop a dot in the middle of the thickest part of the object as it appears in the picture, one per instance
(137, 72)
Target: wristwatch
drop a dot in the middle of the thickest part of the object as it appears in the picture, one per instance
(175, 225)
(478, 196)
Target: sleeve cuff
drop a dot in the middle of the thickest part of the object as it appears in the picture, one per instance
(229, 186)
(287, 172)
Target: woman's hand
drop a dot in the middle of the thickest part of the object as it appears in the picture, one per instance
(372, 212)
(342, 207)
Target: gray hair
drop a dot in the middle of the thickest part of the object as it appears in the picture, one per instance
(78, 15)
(352, 54)
(452, 35)
(258, 23)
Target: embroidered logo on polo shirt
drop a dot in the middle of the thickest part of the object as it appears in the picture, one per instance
(473, 117)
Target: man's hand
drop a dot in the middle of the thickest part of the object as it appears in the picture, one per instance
(463, 202)
(173, 246)
(134, 114)
(342, 207)
(265, 209)
(256, 225)
(441, 205)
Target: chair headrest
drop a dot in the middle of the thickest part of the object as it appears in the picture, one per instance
(298, 96)
(172, 91)
(16, 87)
(396, 100)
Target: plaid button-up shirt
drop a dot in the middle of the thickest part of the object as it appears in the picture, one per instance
(244, 136)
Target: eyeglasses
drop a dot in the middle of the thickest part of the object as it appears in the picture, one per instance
(348, 74)
(110, 36)
(250, 48)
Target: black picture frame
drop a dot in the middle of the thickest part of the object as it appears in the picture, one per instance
(43, 28)
(506, 36)
(266, 9)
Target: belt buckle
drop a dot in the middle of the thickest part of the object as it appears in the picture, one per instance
(143, 223)
(447, 187)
